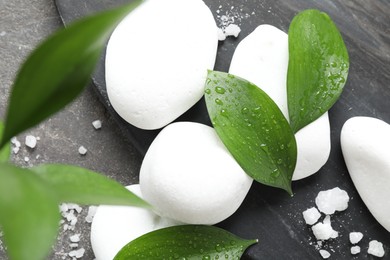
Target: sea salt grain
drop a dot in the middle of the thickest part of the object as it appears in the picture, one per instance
(311, 215)
(355, 250)
(325, 254)
(221, 35)
(82, 150)
(97, 124)
(375, 248)
(324, 230)
(355, 237)
(332, 200)
(31, 141)
(75, 238)
(91, 214)
(77, 253)
(232, 30)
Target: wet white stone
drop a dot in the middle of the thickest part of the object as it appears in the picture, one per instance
(262, 58)
(157, 61)
(365, 145)
(192, 180)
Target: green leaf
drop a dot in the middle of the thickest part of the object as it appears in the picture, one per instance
(318, 67)
(57, 71)
(186, 242)
(79, 185)
(29, 214)
(252, 128)
(5, 152)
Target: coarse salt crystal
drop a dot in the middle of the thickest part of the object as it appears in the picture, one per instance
(332, 200)
(15, 142)
(91, 214)
(75, 238)
(232, 30)
(221, 35)
(75, 207)
(77, 253)
(15, 150)
(324, 254)
(31, 141)
(355, 250)
(74, 245)
(311, 215)
(26, 159)
(82, 150)
(355, 237)
(375, 248)
(324, 230)
(97, 124)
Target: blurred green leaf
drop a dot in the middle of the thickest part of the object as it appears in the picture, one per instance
(29, 214)
(79, 185)
(186, 242)
(318, 67)
(253, 129)
(5, 152)
(57, 71)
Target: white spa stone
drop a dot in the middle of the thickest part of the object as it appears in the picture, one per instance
(365, 143)
(188, 175)
(262, 58)
(157, 61)
(115, 226)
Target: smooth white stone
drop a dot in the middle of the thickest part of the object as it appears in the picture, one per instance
(188, 175)
(365, 143)
(262, 58)
(157, 61)
(115, 226)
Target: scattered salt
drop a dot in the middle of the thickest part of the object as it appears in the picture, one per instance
(311, 215)
(91, 214)
(232, 30)
(355, 237)
(3, 33)
(324, 230)
(26, 159)
(77, 253)
(75, 238)
(97, 124)
(332, 200)
(15, 142)
(15, 150)
(31, 141)
(325, 254)
(375, 248)
(355, 250)
(82, 150)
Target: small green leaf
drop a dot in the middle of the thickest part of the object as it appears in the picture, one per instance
(5, 152)
(318, 67)
(186, 242)
(252, 128)
(79, 185)
(57, 71)
(29, 214)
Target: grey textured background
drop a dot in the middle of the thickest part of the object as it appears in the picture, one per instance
(23, 24)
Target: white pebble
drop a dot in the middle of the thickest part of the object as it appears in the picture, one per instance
(332, 200)
(355, 237)
(324, 254)
(31, 141)
(355, 250)
(232, 30)
(324, 230)
(311, 215)
(91, 214)
(375, 248)
(75, 238)
(82, 150)
(77, 253)
(97, 124)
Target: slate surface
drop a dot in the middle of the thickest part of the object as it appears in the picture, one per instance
(270, 214)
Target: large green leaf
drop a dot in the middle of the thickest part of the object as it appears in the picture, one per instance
(318, 67)
(57, 71)
(5, 152)
(29, 214)
(186, 242)
(79, 185)
(253, 129)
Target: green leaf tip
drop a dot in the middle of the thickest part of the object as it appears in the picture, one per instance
(253, 129)
(5, 147)
(58, 69)
(318, 67)
(186, 242)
